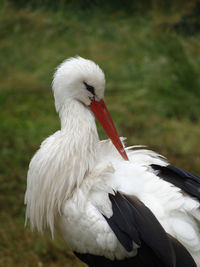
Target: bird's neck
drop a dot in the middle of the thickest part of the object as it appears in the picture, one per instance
(58, 173)
(74, 115)
(79, 131)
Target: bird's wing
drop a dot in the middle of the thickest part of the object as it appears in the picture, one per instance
(132, 222)
(187, 181)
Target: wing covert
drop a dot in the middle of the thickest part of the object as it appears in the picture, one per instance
(186, 181)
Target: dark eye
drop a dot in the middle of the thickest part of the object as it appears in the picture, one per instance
(89, 88)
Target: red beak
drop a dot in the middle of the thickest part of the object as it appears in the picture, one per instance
(101, 113)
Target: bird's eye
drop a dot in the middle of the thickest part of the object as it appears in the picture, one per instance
(89, 88)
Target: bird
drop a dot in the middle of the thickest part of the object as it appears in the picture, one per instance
(113, 205)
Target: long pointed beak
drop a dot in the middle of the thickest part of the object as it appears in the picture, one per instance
(101, 113)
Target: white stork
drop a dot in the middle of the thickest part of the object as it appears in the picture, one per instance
(130, 208)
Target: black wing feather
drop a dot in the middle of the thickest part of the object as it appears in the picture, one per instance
(122, 210)
(186, 181)
(143, 222)
(183, 257)
(132, 222)
(144, 258)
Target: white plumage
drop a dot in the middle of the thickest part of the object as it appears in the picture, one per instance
(73, 172)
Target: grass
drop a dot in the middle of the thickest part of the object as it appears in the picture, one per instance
(152, 92)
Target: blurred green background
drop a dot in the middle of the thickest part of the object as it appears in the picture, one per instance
(150, 52)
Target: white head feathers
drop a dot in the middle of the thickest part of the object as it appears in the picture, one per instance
(69, 79)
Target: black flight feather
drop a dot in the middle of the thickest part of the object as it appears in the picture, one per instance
(183, 257)
(186, 181)
(124, 228)
(139, 222)
(132, 222)
(144, 258)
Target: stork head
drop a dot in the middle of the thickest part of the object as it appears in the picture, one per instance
(82, 80)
